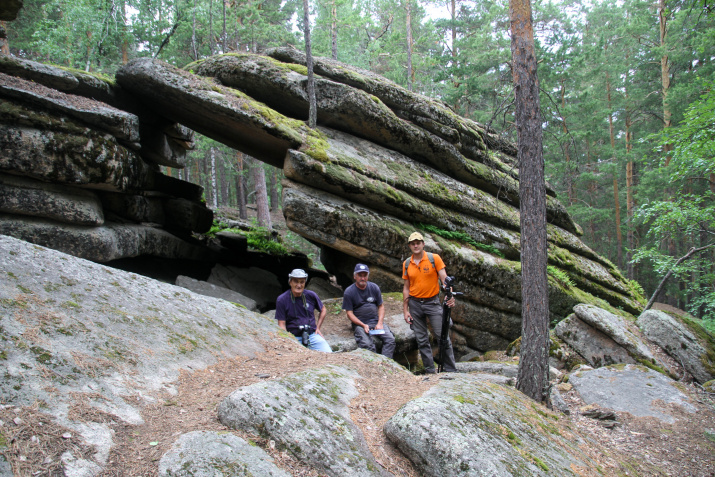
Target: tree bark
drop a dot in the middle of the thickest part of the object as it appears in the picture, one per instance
(241, 187)
(4, 44)
(214, 189)
(533, 365)
(619, 235)
(263, 213)
(313, 108)
(334, 29)
(275, 200)
(410, 72)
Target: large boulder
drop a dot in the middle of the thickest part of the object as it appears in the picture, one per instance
(307, 413)
(465, 426)
(685, 340)
(603, 338)
(213, 454)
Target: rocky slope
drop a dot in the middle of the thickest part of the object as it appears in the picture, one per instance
(108, 372)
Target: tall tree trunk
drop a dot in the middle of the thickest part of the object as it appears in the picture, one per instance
(241, 187)
(263, 213)
(125, 35)
(4, 44)
(223, 180)
(223, 35)
(204, 178)
(630, 188)
(211, 27)
(533, 365)
(619, 235)
(194, 49)
(569, 179)
(334, 29)
(665, 73)
(214, 189)
(275, 200)
(313, 108)
(410, 72)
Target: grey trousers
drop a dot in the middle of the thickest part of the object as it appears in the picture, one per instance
(421, 312)
(365, 341)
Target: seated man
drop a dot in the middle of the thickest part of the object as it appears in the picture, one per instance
(295, 311)
(363, 303)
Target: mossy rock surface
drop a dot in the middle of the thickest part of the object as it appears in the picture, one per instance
(465, 426)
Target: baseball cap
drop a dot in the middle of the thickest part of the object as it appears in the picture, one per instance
(361, 267)
(298, 273)
(415, 236)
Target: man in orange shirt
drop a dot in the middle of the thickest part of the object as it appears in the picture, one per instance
(422, 274)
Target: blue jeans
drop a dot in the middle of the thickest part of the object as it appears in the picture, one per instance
(317, 343)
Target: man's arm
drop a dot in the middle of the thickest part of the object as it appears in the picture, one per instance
(321, 317)
(405, 301)
(282, 324)
(380, 316)
(356, 321)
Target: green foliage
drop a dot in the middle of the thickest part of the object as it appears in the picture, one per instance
(258, 238)
(460, 236)
(560, 276)
(261, 239)
(687, 219)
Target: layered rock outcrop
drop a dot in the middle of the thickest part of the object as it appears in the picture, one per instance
(79, 168)
(383, 162)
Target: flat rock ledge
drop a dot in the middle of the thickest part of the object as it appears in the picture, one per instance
(630, 388)
(465, 426)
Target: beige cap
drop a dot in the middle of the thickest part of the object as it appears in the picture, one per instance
(415, 236)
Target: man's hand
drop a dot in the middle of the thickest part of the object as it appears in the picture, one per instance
(366, 328)
(378, 326)
(317, 330)
(451, 302)
(408, 318)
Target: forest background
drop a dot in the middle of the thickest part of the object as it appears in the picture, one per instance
(627, 98)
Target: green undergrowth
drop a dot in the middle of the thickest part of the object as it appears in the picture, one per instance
(560, 276)
(460, 237)
(259, 238)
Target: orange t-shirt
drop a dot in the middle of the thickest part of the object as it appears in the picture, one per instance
(424, 281)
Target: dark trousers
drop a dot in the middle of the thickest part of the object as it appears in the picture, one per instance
(421, 311)
(365, 341)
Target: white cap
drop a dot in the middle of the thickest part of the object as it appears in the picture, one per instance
(297, 273)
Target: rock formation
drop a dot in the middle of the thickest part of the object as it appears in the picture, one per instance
(382, 163)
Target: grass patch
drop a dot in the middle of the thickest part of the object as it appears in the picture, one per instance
(460, 236)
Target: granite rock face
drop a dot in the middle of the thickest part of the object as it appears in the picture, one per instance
(307, 413)
(445, 432)
(686, 341)
(603, 338)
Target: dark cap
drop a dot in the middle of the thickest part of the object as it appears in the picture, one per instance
(361, 267)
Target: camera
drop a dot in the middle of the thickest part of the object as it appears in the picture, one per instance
(305, 330)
